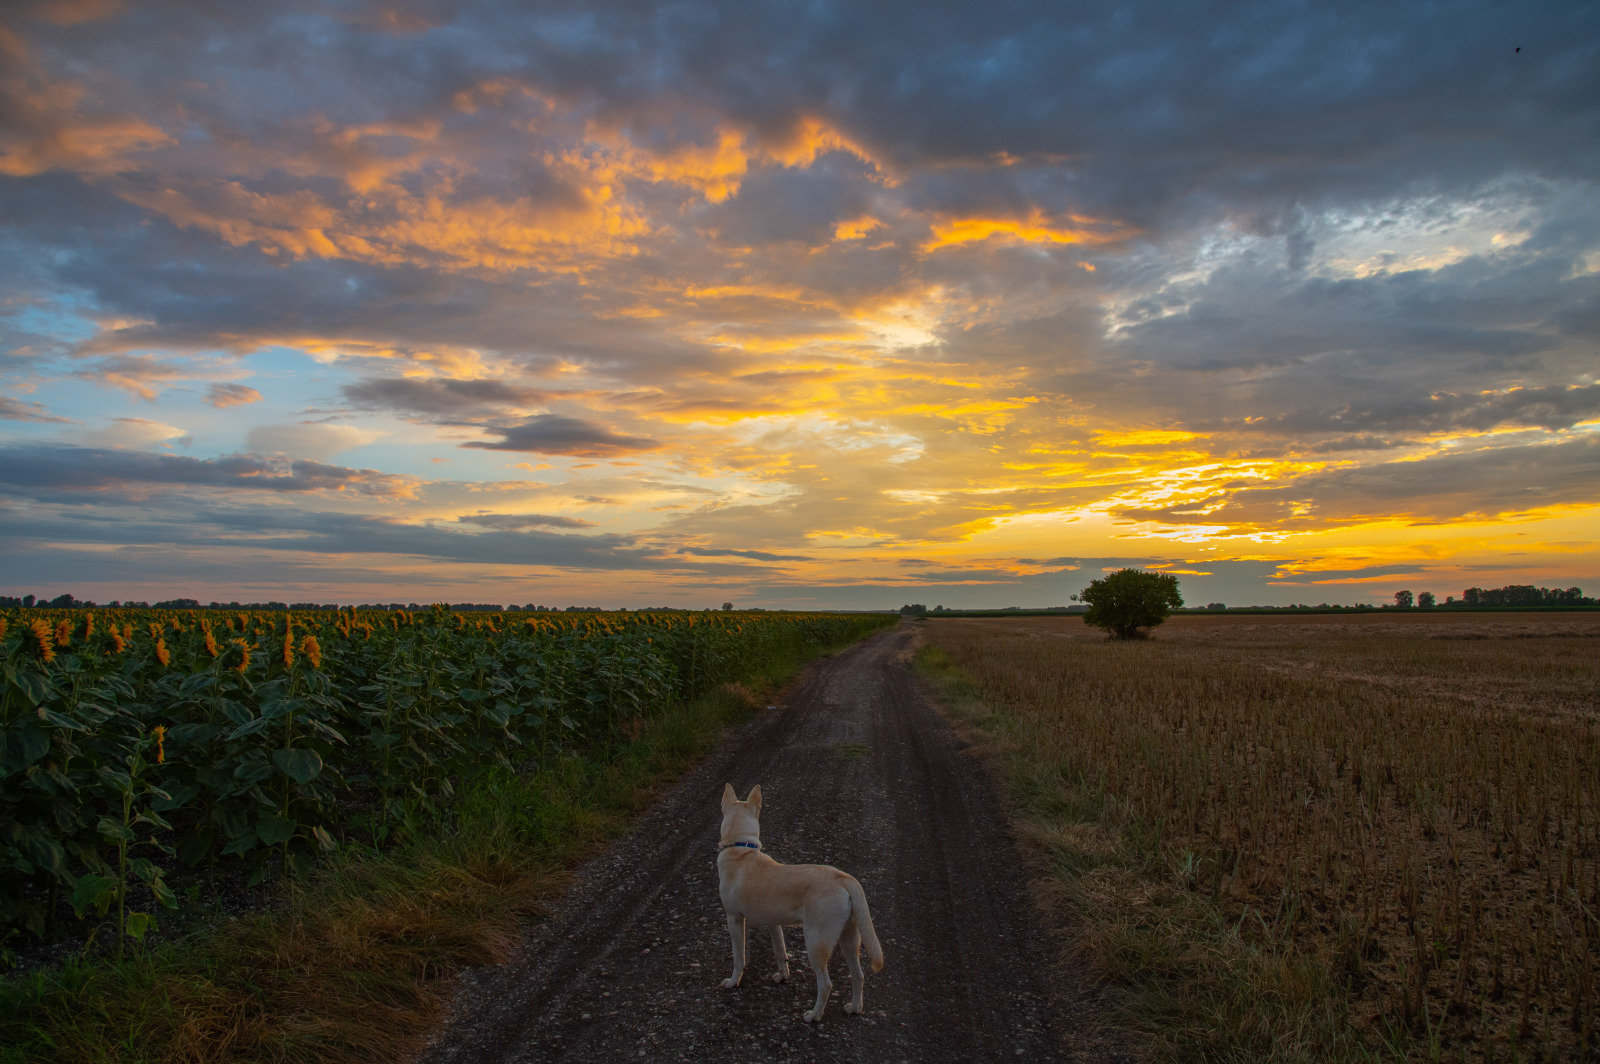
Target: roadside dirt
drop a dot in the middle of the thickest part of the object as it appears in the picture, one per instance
(856, 770)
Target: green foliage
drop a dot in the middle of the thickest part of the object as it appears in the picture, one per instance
(1129, 601)
(271, 739)
(317, 976)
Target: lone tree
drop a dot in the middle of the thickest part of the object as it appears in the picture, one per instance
(1129, 601)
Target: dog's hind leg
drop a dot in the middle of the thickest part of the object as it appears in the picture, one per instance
(780, 953)
(819, 948)
(850, 945)
(735, 932)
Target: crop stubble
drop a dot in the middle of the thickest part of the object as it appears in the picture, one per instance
(1397, 814)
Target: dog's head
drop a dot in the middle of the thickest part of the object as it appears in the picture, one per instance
(741, 821)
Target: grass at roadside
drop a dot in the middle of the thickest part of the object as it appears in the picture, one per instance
(356, 964)
(1187, 980)
(1279, 844)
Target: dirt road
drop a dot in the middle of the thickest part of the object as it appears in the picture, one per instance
(856, 770)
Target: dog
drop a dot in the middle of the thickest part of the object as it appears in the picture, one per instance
(828, 904)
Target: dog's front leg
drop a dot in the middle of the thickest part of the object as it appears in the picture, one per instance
(781, 953)
(735, 932)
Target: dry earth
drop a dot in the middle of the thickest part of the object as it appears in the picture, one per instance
(856, 770)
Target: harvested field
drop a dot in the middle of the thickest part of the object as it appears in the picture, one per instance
(1313, 837)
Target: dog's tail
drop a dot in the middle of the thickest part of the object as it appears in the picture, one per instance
(863, 919)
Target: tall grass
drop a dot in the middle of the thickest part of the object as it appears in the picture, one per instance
(1313, 841)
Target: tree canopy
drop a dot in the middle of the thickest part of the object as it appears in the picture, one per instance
(1129, 601)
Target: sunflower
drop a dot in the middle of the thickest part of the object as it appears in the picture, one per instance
(43, 639)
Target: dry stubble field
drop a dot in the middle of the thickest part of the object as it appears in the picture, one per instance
(1311, 837)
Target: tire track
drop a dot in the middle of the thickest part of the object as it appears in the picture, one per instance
(629, 967)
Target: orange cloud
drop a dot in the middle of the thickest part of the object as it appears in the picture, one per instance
(223, 396)
(856, 228)
(397, 227)
(50, 125)
(1034, 230)
(717, 169)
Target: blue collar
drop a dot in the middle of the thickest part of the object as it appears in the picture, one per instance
(751, 845)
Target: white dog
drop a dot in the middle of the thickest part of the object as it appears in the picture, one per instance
(827, 903)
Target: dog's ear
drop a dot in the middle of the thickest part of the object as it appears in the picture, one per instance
(728, 797)
(755, 797)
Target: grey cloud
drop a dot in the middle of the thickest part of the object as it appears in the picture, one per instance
(1155, 109)
(794, 204)
(555, 434)
(1551, 407)
(440, 397)
(1257, 347)
(1252, 315)
(1304, 575)
(248, 531)
(25, 410)
(519, 522)
(757, 555)
(48, 470)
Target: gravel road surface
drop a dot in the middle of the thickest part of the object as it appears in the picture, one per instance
(856, 770)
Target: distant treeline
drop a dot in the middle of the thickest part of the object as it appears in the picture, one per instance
(1521, 595)
(70, 602)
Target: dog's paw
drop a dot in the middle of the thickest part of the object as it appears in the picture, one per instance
(811, 1016)
(729, 983)
(779, 977)
(851, 1006)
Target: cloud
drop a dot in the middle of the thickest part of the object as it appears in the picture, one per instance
(555, 434)
(25, 410)
(248, 531)
(1475, 482)
(132, 432)
(757, 555)
(308, 439)
(143, 375)
(1551, 407)
(59, 123)
(73, 12)
(440, 397)
(223, 396)
(520, 522)
(828, 272)
(46, 470)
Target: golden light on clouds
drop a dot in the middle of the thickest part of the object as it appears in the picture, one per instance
(1035, 229)
(779, 319)
(717, 165)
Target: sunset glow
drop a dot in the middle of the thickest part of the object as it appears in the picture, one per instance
(364, 303)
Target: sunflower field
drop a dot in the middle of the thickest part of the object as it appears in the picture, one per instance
(133, 739)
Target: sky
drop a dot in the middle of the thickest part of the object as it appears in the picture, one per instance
(797, 305)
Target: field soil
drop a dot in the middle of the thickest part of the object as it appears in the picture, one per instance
(856, 770)
(1310, 838)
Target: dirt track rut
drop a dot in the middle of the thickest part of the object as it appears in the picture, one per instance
(856, 770)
